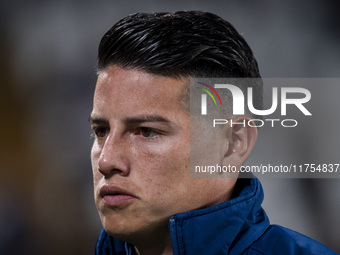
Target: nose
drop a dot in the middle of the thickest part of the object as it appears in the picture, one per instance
(113, 157)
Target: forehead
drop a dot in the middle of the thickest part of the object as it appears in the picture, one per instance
(136, 89)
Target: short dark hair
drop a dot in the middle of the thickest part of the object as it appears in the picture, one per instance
(180, 44)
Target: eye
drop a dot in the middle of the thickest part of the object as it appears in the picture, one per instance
(100, 131)
(148, 132)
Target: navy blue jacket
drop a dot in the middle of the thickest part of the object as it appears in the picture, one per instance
(235, 227)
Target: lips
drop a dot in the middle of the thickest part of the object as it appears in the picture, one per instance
(115, 196)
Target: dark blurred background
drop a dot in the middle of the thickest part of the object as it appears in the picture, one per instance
(48, 56)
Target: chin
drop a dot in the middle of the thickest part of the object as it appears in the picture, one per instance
(131, 230)
(119, 226)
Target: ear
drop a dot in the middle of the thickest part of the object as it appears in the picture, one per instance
(241, 142)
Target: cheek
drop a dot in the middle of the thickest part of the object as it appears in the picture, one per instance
(163, 161)
(164, 166)
(166, 174)
(95, 153)
(171, 190)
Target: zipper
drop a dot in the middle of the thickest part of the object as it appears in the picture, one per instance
(173, 236)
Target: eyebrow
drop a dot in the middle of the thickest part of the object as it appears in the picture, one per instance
(144, 118)
(95, 120)
(130, 120)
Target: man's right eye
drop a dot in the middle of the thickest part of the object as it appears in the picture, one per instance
(100, 131)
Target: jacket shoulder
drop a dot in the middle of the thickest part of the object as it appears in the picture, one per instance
(280, 240)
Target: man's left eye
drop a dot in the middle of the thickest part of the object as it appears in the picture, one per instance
(147, 132)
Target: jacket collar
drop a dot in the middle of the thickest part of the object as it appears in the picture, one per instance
(227, 228)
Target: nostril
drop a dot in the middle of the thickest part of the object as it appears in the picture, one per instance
(107, 173)
(101, 171)
(113, 161)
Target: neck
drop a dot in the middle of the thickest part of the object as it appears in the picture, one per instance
(157, 247)
(154, 242)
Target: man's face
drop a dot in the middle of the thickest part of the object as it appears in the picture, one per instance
(141, 153)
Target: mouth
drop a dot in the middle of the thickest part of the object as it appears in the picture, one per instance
(115, 196)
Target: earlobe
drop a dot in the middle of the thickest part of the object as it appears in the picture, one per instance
(243, 138)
